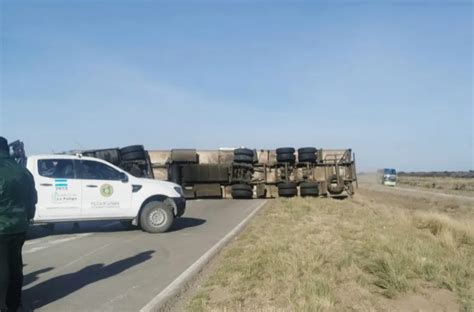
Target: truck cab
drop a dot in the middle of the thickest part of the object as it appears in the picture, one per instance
(389, 177)
(78, 188)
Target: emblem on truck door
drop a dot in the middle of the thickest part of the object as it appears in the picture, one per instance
(106, 190)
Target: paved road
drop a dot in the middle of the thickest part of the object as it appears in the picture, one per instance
(103, 267)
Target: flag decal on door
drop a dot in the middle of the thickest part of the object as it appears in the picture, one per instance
(60, 184)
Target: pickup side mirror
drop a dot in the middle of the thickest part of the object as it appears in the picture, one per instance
(123, 177)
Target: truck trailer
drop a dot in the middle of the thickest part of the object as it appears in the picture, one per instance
(248, 173)
(239, 173)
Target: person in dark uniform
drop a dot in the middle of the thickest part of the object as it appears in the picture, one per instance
(17, 207)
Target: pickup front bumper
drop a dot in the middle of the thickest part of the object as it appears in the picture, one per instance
(180, 203)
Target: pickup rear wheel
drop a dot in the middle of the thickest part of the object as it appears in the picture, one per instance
(156, 217)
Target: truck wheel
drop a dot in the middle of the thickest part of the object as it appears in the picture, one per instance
(244, 155)
(287, 192)
(335, 187)
(240, 194)
(311, 158)
(309, 189)
(243, 151)
(287, 189)
(286, 158)
(110, 155)
(156, 217)
(134, 152)
(307, 154)
(307, 150)
(242, 191)
(285, 150)
(241, 158)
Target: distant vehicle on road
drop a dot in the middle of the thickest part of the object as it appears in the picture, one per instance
(388, 177)
(77, 188)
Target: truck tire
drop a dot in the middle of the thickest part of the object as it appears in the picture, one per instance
(243, 151)
(335, 187)
(285, 150)
(156, 217)
(242, 158)
(309, 189)
(88, 154)
(287, 185)
(110, 155)
(136, 171)
(242, 191)
(241, 194)
(287, 192)
(287, 189)
(242, 187)
(307, 150)
(307, 157)
(134, 152)
(286, 158)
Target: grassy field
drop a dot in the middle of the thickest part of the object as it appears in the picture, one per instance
(462, 186)
(363, 254)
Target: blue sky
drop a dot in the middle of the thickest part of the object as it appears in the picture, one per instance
(391, 80)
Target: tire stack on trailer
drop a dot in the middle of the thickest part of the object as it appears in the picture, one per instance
(307, 159)
(287, 163)
(286, 160)
(242, 170)
(112, 155)
(133, 159)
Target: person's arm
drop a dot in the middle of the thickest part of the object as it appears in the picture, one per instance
(2, 190)
(32, 197)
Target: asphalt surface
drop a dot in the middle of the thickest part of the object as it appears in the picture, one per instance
(102, 266)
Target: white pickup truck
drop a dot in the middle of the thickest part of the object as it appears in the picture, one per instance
(76, 188)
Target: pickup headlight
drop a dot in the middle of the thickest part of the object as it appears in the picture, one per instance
(179, 190)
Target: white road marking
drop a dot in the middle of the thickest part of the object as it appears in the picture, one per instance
(173, 288)
(49, 242)
(56, 242)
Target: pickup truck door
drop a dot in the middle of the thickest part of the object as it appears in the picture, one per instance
(59, 190)
(104, 194)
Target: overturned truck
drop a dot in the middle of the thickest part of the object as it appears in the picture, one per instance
(242, 173)
(235, 172)
(245, 173)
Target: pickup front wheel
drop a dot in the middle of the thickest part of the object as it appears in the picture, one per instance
(156, 217)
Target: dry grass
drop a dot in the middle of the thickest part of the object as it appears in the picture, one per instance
(323, 254)
(463, 186)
